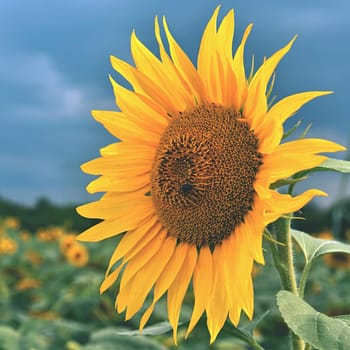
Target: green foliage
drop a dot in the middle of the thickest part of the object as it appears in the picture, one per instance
(110, 339)
(45, 214)
(342, 166)
(317, 329)
(314, 247)
(156, 329)
(66, 312)
(9, 338)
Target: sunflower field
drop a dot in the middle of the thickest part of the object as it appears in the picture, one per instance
(49, 296)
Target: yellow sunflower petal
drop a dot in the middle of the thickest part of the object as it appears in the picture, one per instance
(248, 295)
(239, 71)
(110, 183)
(280, 204)
(202, 283)
(133, 266)
(133, 241)
(115, 165)
(112, 200)
(224, 37)
(132, 102)
(255, 106)
(143, 257)
(185, 66)
(110, 279)
(148, 232)
(178, 289)
(126, 220)
(166, 278)
(170, 66)
(121, 302)
(226, 77)
(129, 72)
(230, 252)
(291, 164)
(291, 157)
(244, 266)
(147, 275)
(150, 65)
(218, 305)
(310, 146)
(289, 105)
(106, 208)
(206, 57)
(129, 128)
(253, 231)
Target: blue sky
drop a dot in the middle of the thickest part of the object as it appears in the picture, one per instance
(54, 67)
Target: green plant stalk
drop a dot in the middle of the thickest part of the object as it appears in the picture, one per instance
(246, 338)
(285, 255)
(285, 265)
(308, 347)
(279, 267)
(255, 345)
(303, 279)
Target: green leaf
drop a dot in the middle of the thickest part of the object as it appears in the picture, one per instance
(305, 131)
(156, 329)
(33, 341)
(319, 330)
(252, 325)
(330, 164)
(291, 130)
(344, 318)
(110, 338)
(342, 166)
(314, 247)
(286, 182)
(9, 338)
(246, 333)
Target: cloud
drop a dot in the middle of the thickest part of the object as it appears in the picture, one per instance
(41, 91)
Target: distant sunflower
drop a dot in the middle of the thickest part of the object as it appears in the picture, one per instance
(77, 255)
(189, 185)
(67, 241)
(338, 260)
(8, 246)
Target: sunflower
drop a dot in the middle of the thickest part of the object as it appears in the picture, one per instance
(66, 242)
(8, 246)
(77, 255)
(27, 283)
(189, 185)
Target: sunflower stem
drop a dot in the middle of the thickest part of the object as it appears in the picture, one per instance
(276, 260)
(285, 265)
(285, 255)
(303, 279)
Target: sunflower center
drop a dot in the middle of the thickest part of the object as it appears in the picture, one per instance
(203, 174)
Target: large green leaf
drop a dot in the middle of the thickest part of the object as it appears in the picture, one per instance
(314, 247)
(246, 333)
(344, 318)
(342, 166)
(110, 338)
(156, 329)
(33, 341)
(330, 164)
(9, 338)
(317, 329)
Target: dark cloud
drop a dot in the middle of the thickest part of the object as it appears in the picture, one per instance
(55, 62)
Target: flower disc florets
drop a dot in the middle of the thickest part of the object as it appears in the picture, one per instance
(203, 174)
